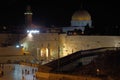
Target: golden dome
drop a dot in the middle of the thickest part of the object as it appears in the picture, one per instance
(81, 15)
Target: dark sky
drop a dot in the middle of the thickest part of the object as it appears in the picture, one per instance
(59, 12)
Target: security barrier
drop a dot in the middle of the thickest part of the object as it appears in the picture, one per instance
(53, 76)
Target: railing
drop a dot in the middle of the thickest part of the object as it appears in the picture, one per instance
(29, 64)
(16, 58)
(52, 76)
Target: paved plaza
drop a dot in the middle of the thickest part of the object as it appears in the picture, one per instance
(18, 72)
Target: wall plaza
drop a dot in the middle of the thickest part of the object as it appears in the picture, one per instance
(53, 42)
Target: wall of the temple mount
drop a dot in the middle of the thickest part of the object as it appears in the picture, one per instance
(43, 45)
(70, 44)
(48, 45)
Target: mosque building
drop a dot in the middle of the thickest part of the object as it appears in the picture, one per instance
(51, 43)
(79, 20)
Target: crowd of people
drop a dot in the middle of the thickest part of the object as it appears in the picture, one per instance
(24, 71)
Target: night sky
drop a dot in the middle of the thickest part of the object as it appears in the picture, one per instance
(59, 12)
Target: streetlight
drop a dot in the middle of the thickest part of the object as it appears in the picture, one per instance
(98, 71)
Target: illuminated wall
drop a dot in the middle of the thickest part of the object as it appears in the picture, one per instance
(48, 46)
(70, 44)
(44, 45)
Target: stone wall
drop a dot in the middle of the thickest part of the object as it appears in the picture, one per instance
(16, 58)
(11, 50)
(70, 44)
(43, 45)
(52, 45)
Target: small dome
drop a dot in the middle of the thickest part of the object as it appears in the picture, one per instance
(81, 15)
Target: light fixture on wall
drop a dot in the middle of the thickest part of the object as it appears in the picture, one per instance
(33, 31)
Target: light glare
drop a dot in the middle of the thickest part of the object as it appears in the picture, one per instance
(17, 46)
(32, 31)
(30, 35)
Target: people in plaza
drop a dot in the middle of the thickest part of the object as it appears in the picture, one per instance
(32, 71)
(25, 71)
(28, 72)
(23, 78)
(22, 71)
(35, 70)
